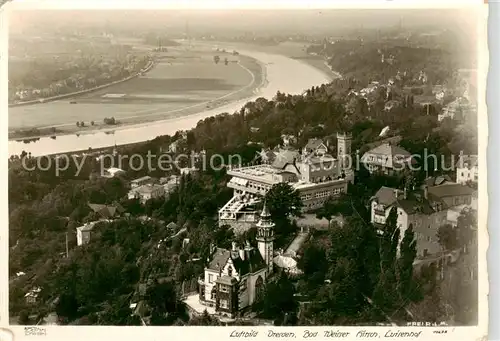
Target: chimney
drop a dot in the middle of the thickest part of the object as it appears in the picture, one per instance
(233, 246)
(242, 254)
(426, 194)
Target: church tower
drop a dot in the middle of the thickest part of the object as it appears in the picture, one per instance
(265, 237)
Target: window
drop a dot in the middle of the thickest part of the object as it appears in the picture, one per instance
(223, 304)
(230, 271)
(224, 288)
(426, 252)
(210, 278)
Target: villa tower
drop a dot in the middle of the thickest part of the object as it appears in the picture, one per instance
(265, 237)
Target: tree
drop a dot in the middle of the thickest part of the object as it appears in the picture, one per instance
(82, 124)
(278, 298)
(385, 291)
(467, 228)
(336, 206)
(67, 306)
(77, 124)
(204, 320)
(389, 241)
(226, 61)
(283, 201)
(92, 122)
(447, 236)
(408, 252)
(216, 59)
(165, 303)
(24, 318)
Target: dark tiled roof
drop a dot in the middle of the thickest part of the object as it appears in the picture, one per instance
(253, 260)
(284, 158)
(219, 259)
(107, 211)
(450, 190)
(414, 202)
(386, 195)
(437, 180)
(313, 144)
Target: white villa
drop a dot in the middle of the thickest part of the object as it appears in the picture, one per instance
(314, 173)
(467, 169)
(234, 279)
(147, 192)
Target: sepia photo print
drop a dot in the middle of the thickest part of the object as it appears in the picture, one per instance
(260, 169)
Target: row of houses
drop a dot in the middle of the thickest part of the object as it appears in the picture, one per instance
(438, 202)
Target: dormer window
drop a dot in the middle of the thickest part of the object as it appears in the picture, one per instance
(230, 271)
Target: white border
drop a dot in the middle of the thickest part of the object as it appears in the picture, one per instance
(157, 333)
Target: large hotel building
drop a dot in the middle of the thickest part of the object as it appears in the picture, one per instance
(316, 174)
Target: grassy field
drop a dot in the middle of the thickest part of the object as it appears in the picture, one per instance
(183, 81)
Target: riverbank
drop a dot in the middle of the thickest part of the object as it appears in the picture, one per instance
(148, 67)
(252, 66)
(283, 74)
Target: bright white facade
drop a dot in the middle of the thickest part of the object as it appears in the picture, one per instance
(147, 192)
(234, 279)
(467, 169)
(83, 233)
(314, 173)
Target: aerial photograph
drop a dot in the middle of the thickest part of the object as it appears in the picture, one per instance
(314, 167)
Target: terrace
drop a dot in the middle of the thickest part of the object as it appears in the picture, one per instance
(239, 208)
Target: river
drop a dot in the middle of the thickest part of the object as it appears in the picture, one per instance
(283, 74)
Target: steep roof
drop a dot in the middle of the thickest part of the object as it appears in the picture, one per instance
(414, 202)
(437, 180)
(387, 155)
(219, 259)
(285, 157)
(107, 211)
(389, 150)
(251, 263)
(314, 144)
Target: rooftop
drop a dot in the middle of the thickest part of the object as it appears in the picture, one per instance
(106, 211)
(414, 202)
(262, 173)
(141, 179)
(149, 188)
(450, 190)
(251, 263)
(87, 226)
(314, 144)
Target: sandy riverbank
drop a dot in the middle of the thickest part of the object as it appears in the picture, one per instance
(150, 111)
(284, 74)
